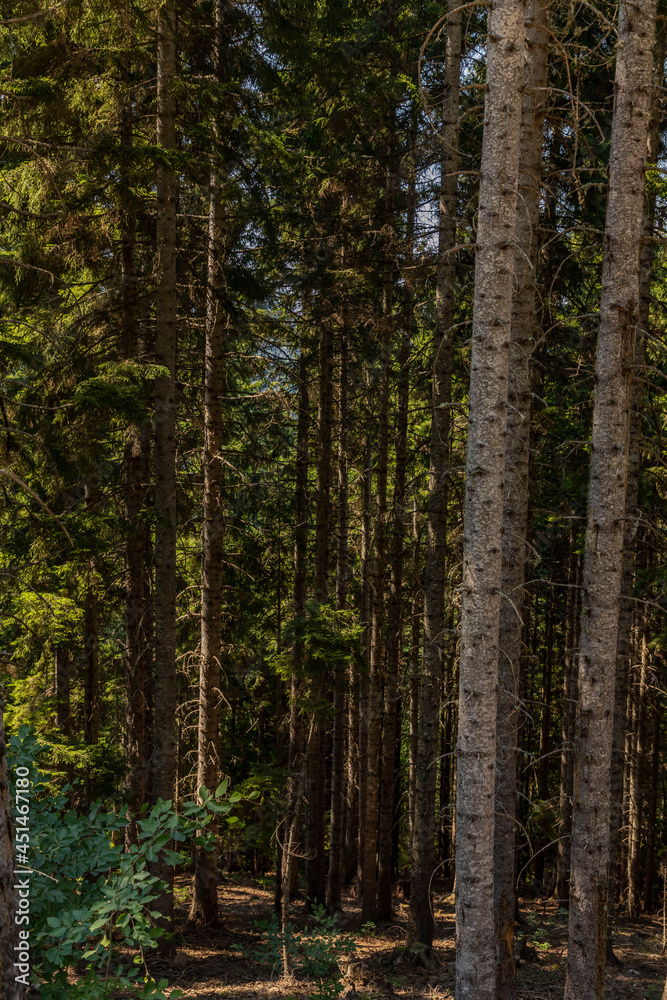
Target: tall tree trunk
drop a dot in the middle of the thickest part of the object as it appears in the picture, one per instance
(379, 569)
(415, 649)
(390, 715)
(621, 866)
(449, 686)
(545, 736)
(365, 614)
(353, 778)
(373, 704)
(516, 492)
(632, 491)
(607, 501)
(569, 705)
(164, 744)
(91, 632)
(295, 758)
(420, 917)
(10, 989)
(137, 658)
(315, 758)
(636, 781)
(652, 805)
(483, 529)
(338, 802)
(204, 906)
(353, 771)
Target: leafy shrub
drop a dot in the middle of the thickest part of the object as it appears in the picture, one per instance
(89, 898)
(316, 950)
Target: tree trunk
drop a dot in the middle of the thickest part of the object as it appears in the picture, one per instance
(315, 771)
(137, 658)
(295, 759)
(420, 917)
(607, 502)
(415, 649)
(91, 631)
(569, 705)
(636, 782)
(164, 744)
(449, 686)
(545, 731)
(652, 805)
(365, 614)
(516, 493)
(621, 865)
(632, 491)
(483, 530)
(373, 704)
(390, 724)
(204, 906)
(353, 779)
(9, 988)
(338, 801)
(379, 569)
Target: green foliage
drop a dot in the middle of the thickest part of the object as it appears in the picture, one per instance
(316, 950)
(323, 638)
(324, 944)
(90, 900)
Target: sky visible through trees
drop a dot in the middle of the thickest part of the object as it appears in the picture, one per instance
(332, 362)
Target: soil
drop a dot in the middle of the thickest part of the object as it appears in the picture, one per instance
(221, 963)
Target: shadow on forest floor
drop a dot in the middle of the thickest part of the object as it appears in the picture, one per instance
(219, 964)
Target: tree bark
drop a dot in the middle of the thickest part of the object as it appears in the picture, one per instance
(378, 572)
(652, 805)
(204, 906)
(395, 630)
(91, 631)
(632, 493)
(569, 706)
(449, 687)
(516, 492)
(545, 739)
(415, 649)
(365, 614)
(315, 771)
(420, 918)
(485, 475)
(338, 801)
(137, 656)
(607, 503)
(162, 763)
(373, 703)
(636, 781)
(296, 736)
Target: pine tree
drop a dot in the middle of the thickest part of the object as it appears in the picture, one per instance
(606, 503)
(485, 470)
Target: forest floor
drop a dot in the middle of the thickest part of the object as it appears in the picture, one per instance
(222, 963)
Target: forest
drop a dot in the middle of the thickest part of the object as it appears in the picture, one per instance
(333, 499)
